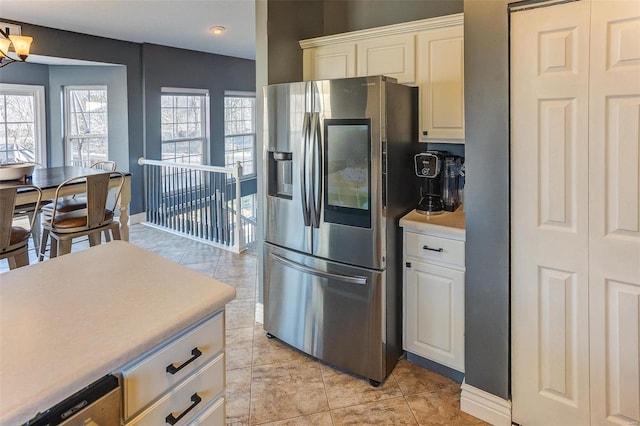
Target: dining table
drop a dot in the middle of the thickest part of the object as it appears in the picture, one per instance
(49, 178)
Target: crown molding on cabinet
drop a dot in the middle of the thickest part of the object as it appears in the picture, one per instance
(387, 30)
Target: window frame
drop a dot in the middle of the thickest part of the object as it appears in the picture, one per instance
(39, 115)
(68, 151)
(239, 94)
(204, 120)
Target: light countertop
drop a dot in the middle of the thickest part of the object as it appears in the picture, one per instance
(66, 322)
(446, 225)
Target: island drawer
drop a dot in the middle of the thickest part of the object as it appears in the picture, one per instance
(189, 399)
(214, 415)
(435, 249)
(153, 375)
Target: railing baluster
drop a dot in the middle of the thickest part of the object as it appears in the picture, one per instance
(201, 202)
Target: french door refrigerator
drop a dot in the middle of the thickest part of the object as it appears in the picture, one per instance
(339, 175)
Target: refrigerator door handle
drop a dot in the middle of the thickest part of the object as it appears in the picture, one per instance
(322, 274)
(303, 170)
(316, 168)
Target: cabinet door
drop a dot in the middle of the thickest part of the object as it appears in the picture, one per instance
(392, 56)
(440, 65)
(434, 313)
(327, 62)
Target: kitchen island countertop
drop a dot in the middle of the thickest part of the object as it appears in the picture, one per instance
(66, 322)
(446, 225)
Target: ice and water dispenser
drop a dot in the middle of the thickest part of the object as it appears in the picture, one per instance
(280, 174)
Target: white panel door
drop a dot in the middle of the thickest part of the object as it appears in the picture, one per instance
(393, 56)
(327, 62)
(434, 313)
(549, 215)
(614, 213)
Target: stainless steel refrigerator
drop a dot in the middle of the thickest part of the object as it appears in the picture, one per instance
(339, 175)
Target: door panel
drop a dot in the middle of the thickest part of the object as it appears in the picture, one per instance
(614, 238)
(549, 229)
(356, 245)
(285, 107)
(328, 310)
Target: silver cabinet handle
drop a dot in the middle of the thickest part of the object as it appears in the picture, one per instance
(322, 274)
(440, 250)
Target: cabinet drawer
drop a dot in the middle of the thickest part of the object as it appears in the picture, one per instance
(214, 415)
(187, 399)
(435, 249)
(149, 378)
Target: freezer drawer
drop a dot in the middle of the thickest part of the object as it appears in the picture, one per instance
(329, 310)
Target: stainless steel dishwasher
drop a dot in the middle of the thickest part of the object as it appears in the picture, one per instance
(96, 405)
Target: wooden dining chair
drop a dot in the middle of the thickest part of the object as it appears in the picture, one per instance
(14, 240)
(91, 221)
(32, 213)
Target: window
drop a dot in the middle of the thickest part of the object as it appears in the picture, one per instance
(184, 117)
(86, 134)
(22, 124)
(239, 131)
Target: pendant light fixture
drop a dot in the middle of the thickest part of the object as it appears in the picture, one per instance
(19, 43)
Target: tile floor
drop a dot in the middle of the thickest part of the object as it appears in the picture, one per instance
(269, 383)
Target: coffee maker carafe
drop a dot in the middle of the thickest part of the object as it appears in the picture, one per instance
(428, 166)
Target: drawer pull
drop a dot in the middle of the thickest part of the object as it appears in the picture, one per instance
(173, 369)
(195, 398)
(439, 250)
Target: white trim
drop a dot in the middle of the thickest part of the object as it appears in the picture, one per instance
(39, 114)
(239, 94)
(137, 218)
(387, 30)
(485, 406)
(184, 91)
(259, 313)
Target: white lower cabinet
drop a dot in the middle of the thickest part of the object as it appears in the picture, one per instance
(180, 381)
(433, 307)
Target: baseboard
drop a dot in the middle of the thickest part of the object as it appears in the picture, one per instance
(259, 313)
(137, 218)
(485, 406)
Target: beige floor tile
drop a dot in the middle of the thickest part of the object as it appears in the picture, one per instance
(240, 314)
(344, 389)
(393, 411)
(441, 408)
(239, 337)
(285, 390)
(238, 357)
(238, 396)
(414, 379)
(318, 419)
(271, 351)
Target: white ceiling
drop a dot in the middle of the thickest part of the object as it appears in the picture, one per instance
(177, 23)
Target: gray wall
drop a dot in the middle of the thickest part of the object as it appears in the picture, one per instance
(486, 149)
(115, 78)
(486, 88)
(183, 69)
(215, 73)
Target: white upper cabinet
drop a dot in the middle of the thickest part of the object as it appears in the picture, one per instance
(440, 59)
(391, 56)
(428, 53)
(330, 61)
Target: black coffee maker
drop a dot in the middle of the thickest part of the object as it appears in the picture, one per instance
(439, 188)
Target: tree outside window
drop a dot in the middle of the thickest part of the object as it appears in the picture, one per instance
(239, 131)
(22, 124)
(183, 120)
(86, 119)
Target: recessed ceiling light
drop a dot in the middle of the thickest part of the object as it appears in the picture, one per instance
(217, 30)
